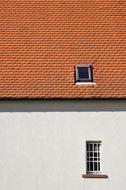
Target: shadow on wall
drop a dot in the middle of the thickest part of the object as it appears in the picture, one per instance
(62, 105)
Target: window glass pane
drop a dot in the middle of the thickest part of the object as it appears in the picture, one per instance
(91, 166)
(88, 166)
(88, 154)
(95, 166)
(83, 72)
(95, 159)
(95, 154)
(91, 154)
(87, 147)
(98, 166)
(95, 147)
(98, 147)
(91, 147)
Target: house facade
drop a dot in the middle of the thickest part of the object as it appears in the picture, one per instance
(62, 95)
(43, 144)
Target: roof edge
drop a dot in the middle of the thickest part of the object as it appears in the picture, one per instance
(61, 98)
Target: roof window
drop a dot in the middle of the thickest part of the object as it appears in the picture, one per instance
(83, 73)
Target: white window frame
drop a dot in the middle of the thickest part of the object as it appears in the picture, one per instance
(88, 161)
(89, 73)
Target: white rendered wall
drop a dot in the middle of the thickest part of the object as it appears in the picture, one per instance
(42, 144)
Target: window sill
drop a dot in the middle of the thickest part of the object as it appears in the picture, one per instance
(85, 83)
(94, 176)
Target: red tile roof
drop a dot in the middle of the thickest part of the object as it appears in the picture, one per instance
(42, 41)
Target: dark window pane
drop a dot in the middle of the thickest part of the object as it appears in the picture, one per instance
(91, 166)
(91, 154)
(91, 147)
(95, 147)
(88, 155)
(98, 147)
(98, 166)
(95, 159)
(87, 147)
(91, 159)
(88, 166)
(95, 154)
(95, 166)
(83, 73)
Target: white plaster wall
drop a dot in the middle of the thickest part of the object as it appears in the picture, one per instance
(42, 144)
